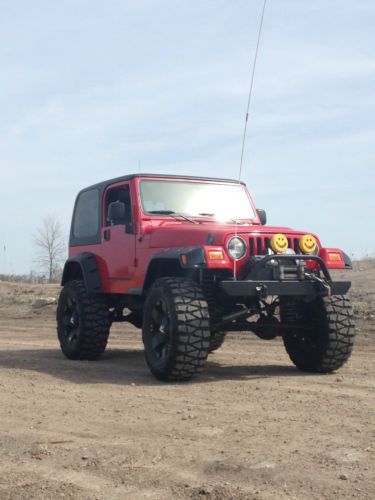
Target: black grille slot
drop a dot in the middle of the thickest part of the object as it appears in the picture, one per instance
(252, 249)
(260, 244)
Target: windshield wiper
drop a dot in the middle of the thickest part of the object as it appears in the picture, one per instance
(173, 214)
(236, 221)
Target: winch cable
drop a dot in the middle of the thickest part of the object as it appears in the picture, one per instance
(247, 117)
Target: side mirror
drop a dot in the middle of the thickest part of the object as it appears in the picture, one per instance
(117, 212)
(262, 216)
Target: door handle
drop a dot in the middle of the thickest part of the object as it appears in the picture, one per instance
(107, 234)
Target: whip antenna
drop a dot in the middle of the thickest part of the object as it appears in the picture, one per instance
(247, 113)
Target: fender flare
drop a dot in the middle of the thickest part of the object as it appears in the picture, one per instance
(172, 258)
(83, 266)
(347, 261)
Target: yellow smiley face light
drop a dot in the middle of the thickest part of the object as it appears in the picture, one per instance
(307, 243)
(279, 243)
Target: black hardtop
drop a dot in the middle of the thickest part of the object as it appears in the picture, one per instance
(104, 184)
(100, 187)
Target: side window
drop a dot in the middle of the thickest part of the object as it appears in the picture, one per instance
(118, 207)
(86, 216)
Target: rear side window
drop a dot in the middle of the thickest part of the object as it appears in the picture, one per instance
(86, 216)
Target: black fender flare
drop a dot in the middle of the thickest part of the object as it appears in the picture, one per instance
(177, 260)
(347, 261)
(83, 266)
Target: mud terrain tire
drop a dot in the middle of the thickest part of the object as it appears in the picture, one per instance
(176, 330)
(83, 322)
(327, 342)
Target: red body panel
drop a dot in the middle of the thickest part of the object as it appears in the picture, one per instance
(124, 258)
(332, 257)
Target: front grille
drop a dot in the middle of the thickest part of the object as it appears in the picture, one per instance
(293, 243)
(258, 245)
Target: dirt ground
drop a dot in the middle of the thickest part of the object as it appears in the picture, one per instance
(251, 427)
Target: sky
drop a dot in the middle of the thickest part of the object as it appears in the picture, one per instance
(91, 90)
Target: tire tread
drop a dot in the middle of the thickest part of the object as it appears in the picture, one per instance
(336, 335)
(94, 323)
(192, 329)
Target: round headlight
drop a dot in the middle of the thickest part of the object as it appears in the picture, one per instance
(308, 244)
(236, 248)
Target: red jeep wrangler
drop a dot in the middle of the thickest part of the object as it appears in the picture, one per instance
(188, 259)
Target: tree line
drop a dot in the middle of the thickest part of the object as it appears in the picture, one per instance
(51, 250)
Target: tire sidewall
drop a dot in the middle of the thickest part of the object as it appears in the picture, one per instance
(71, 350)
(332, 321)
(300, 354)
(160, 290)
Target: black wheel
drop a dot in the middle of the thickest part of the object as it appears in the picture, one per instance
(176, 331)
(216, 340)
(324, 340)
(83, 322)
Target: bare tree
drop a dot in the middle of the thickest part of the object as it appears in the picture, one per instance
(51, 247)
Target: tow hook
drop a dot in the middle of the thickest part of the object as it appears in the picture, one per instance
(323, 283)
(261, 291)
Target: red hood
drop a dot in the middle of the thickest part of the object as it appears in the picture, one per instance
(180, 234)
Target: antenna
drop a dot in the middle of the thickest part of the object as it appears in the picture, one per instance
(247, 115)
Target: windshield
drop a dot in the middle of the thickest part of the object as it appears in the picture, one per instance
(221, 201)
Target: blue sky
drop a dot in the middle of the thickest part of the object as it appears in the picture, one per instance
(89, 89)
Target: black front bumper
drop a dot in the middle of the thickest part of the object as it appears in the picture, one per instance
(262, 289)
(284, 275)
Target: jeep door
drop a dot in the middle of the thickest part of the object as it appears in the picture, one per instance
(118, 238)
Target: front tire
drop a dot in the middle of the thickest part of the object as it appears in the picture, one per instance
(325, 342)
(83, 322)
(176, 330)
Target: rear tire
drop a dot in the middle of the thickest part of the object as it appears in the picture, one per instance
(176, 331)
(327, 341)
(216, 340)
(83, 322)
